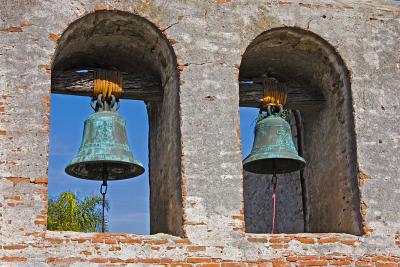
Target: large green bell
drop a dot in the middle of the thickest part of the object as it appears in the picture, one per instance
(104, 152)
(273, 148)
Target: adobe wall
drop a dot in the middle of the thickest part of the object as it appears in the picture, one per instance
(209, 39)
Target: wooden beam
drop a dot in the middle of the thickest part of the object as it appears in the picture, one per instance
(149, 89)
(298, 97)
(134, 86)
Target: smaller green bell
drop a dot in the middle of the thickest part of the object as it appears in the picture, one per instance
(104, 152)
(273, 149)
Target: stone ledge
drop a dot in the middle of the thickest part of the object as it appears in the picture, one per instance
(112, 238)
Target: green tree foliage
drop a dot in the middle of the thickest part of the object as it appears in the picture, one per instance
(67, 212)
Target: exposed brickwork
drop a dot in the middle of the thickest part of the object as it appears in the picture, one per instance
(209, 39)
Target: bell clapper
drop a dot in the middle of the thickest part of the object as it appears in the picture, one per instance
(103, 192)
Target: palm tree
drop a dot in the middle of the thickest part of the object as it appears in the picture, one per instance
(68, 213)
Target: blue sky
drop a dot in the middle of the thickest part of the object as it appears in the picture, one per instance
(129, 199)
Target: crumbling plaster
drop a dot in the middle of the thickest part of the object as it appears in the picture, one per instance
(209, 38)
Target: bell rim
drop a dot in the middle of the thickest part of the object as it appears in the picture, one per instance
(300, 161)
(138, 165)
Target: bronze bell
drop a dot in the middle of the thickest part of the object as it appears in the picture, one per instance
(273, 148)
(104, 153)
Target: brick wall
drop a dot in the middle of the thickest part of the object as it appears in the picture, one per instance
(208, 39)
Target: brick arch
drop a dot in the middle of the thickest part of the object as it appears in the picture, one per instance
(320, 89)
(135, 46)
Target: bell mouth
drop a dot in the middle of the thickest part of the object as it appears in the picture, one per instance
(95, 170)
(273, 165)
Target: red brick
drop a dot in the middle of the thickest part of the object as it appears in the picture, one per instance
(81, 240)
(151, 260)
(180, 264)
(228, 264)
(41, 181)
(12, 197)
(196, 248)
(340, 262)
(155, 242)
(115, 260)
(278, 263)
(328, 240)
(13, 259)
(363, 263)
(312, 263)
(386, 259)
(199, 260)
(209, 265)
(131, 241)
(99, 7)
(99, 260)
(385, 264)
(54, 37)
(12, 29)
(265, 264)
(302, 258)
(305, 240)
(55, 240)
(110, 241)
(18, 246)
(182, 241)
(348, 242)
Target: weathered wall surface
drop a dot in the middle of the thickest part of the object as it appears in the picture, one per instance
(257, 196)
(208, 39)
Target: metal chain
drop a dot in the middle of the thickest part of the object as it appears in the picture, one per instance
(113, 104)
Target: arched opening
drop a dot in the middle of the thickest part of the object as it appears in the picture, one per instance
(132, 45)
(319, 89)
